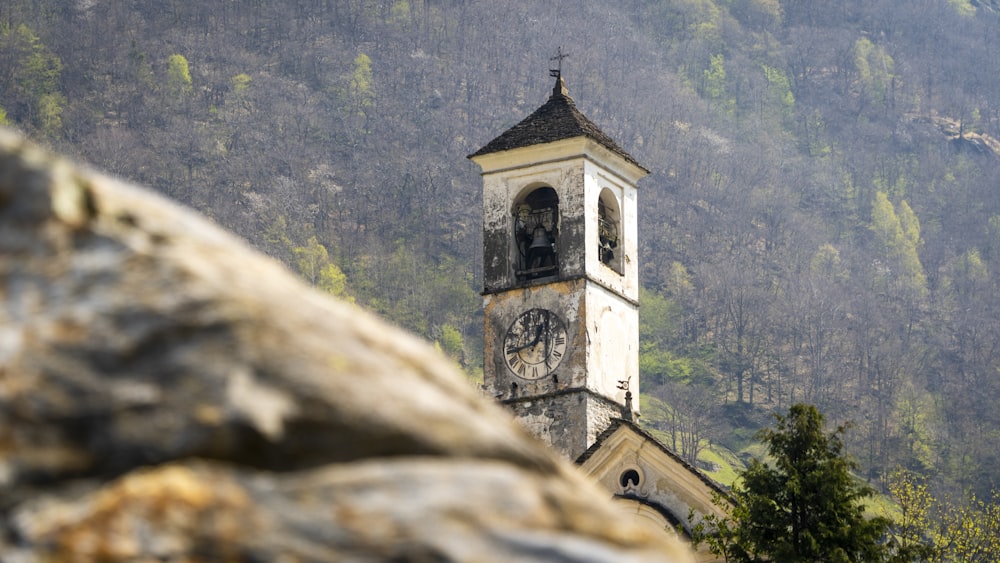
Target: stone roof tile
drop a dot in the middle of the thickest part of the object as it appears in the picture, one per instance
(556, 120)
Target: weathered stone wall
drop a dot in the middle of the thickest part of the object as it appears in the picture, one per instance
(569, 421)
(166, 393)
(502, 189)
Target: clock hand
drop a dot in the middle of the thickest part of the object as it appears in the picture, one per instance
(516, 349)
(538, 337)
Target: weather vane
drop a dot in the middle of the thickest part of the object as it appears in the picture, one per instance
(557, 72)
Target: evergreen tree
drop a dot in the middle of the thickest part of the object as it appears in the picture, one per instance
(806, 507)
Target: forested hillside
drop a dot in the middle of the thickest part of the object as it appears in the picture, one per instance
(821, 224)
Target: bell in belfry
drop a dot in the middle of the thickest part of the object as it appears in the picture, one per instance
(540, 250)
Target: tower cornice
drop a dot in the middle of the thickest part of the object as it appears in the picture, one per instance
(585, 277)
(559, 151)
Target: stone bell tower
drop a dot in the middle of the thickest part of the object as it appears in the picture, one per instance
(560, 277)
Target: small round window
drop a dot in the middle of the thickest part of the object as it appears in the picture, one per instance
(629, 479)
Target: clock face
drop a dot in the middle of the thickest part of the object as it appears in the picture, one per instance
(535, 344)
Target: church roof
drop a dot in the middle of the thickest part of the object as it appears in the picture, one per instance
(618, 423)
(556, 120)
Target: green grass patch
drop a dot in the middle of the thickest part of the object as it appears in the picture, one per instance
(727, 464)
(882, 505)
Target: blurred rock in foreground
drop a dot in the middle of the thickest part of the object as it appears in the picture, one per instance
(167, 393)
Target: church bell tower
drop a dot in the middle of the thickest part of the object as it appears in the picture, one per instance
(560, 277)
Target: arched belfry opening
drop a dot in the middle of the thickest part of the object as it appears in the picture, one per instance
(536, 230)
(609, 230)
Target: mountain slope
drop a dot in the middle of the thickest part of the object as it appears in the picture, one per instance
(809, 230)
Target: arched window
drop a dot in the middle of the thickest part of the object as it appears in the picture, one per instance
(609, 230)
(536, 229)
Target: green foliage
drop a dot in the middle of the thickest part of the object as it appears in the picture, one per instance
(875, 70)
(885, 223)
(780, 89)
(973, 268)
(311, 259)
(314, 264)
(911, 524)
(713, 85)
(926, 528)
(38, 67)
(963, 7)
(910, 224)
(49, 113)
(697, 21)
(678, 279)
(660, 318)
(240, 83)
(451, 341)
(757, 14)
(658, 366)
(35, 74)
(277, 241)
(661, 326)
(714, 78)
(333, 281)
(807, 507)
(360, 89)
(918, 419)
(826, 263)
(421, 295)
(3, 117)
(179, 82)
(401, 13)
(971, 532)
(898, 237)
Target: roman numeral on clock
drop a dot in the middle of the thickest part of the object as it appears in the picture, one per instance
(514, 362)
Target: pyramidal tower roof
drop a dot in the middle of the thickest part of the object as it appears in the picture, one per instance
(555, 120)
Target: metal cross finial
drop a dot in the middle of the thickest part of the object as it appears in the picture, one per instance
(557, 72)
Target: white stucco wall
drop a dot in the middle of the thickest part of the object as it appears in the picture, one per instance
(613, 333)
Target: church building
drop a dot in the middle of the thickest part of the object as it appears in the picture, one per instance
(561, 304)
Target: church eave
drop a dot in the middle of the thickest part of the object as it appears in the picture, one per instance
(557, 151)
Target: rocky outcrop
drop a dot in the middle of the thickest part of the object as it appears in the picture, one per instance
(167, 393)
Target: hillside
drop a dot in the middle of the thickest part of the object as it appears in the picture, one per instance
(821, 223)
